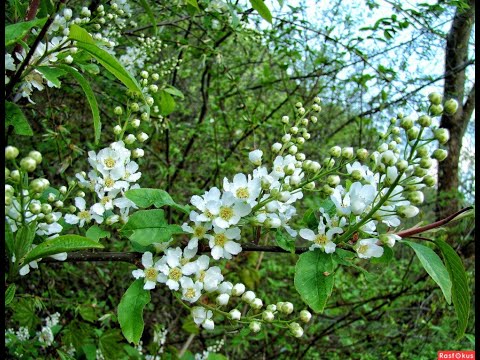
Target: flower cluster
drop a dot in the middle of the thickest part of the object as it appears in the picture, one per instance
(113, 173)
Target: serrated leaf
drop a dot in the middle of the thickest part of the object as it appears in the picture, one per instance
(434, 267)
(96, 233)
(92, 101)
(314, 278)
(14, 116)
(10, 293)
(146, 227)
(130, 311)
(150, 15)
(110, 345)
(146, 197)
(64, 243)
(285, 241)
(17, 31)
(51, 74)
(262, 9)
(87, 312)
(460, 290)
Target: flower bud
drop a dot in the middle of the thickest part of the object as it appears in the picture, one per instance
(222, 299)
(142, 137)
(11, 152)
(294, 130)
(59, 204)
(436, 110)
(296, 329)
(421, 152)
(35, 208)
(435, 98)
(389, 239)
(388, 158)
(298, 105)
(272, 307)
(310, 186)
(130, 139)
(305, 316)
(15, 175)
(419, 171)
(276, 147)
(313, 119)
(46, 209)
(406, 123)
(135, 123)
(255, 157)
(117, 129)
(327, 189)
(118, 110)
(300, 156)
(402, 165)
(28, 164)
(412, 133)
(35, 155)
(255, 326)
(362, 154)
(256, 303)
(51, 197)
(451, 106)
(144, 116)
(425, 120)
(138, 153)
(286, 308)
(248, 296)
(416, 197)
(335, 151)
(347, 153)
(144, 74)
(149, 100)
(429, 180)
(440, 154)
(407, 211)
(286, 138)
(314, 166)
(300, 140)
(426, 163)
(235, 314)
(80, 194)
(72, 209)
(333, 180)
(304, 122)
(442, 135)
(268, 316)
(238, 289)
(316, 108)
(285, 119)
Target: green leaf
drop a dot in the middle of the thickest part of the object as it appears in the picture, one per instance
(87, 312)
(215, 356)
(92, 101)
(193, 3)
(95, 233)
(10, 293)
(51, 74)
(460, 289)
(24, 312)
(285, 241)
(262, 9)
(189, 326)
(64, 355)
(64, 243)
(434, 267)
(146, 197)
(146, 227)
(110, 345)
(15, 117)
(79, 34)
(17, 31)
(150, 14)
(166, 103)
(310, 219)
(24, 239)
(314, 278)
(108, 61)
(130, 311)
(344, 257)
(9, 239)
(174, 91)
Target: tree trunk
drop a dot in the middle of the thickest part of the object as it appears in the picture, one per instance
(456, 54)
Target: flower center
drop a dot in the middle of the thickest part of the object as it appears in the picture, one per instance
(175, 274)
(151, 274)
(220, 239)
(190, 293)
(242, 193)
(109, 182)
(199, 231)
(184, 261)
(321, 239)
(127, 175)
(109, 162)
(201, 277)
(362, 249)
(105, 200)
(84, 215)
(226, 213)
(209, 214)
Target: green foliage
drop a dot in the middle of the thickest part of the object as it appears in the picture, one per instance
(95, 233)
(262, 9)
(146, 197)
(130, 311)
(285, 241)
(314, 278)
(10, 294)
(14, 117)
(15, 32)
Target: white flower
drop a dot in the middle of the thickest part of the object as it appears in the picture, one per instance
(211, 197)
(190, 291)
(367, 248)
(221, 243)
(172, 270)
(246, 190)
(24, 270)
(235, 314)
(341, 200)
(228, 211)
(322, 240)
(199, 229)
(45, 336)
(150, 271)
(208, 277)
(389, 239)
(361, 196)
(255, 157)
(202, 316)
(83, 216)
